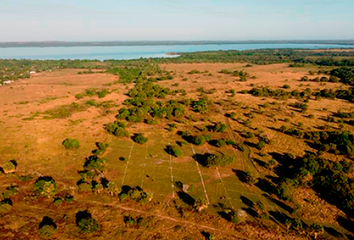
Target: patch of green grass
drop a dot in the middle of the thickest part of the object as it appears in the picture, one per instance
(76, 122)
(36, 114)
(68, 84)
(22, 103)
(64, 111)
(49, 99)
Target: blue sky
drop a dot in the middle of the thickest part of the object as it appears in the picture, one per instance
(105, 20)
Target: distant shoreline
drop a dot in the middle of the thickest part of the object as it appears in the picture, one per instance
(155, 43)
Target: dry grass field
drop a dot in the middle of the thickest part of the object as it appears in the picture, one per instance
(38, 114)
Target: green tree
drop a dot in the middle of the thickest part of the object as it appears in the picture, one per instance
(45, 187)
(71, 143)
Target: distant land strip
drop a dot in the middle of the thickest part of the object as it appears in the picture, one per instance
(155, 43)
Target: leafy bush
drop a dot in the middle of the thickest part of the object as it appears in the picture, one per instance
(102, 147)
(220, 143)
(202, 105)
(95, 164)
(79, 96)
(284, 191)
(135, 222)
(261, 144)
(47, 228)
(71, 143)
(218, 160)
(117, 129)
(249, 178)
(47, 231)
(86, 223)
(58, 201)
(5, 206)
(9, 192)
(199, 140)
(136, 194)
(175, 151)
(10, 166)
(219, 127)
(84, 186)
(45, 187)
(139, 138)
(302, 106)
(102, 93)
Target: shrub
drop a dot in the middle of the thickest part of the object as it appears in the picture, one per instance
(71, 143)
(219, 127)
(47, 231)
(10, 166)
(90, 92)
(249, 178)
(284, 191)
(175, 151)
(58, 201)
(84, 187)
(199, 140)
(250, 134)
(121, 132)
(151, 121)
(91, 102)
(102, 93)
(95, 164)
(261, 144)
(218, 160)
(136, 194)
(102, 146)
(9, 192)
(5, 206)
(47, 228)
(139, 138)
(137, 223)
(45, 187)
(220, 143)
(79, 96)
(86, 223)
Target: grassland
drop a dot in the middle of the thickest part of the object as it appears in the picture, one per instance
(39, 113)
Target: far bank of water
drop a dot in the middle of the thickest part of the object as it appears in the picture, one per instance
(134, 52)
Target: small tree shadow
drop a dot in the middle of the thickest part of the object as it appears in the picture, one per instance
(82, 215)
(265, 186)
(241, 175)
(283, 205)
(168, 150)
(280, 217)
(250, 144)
(247, 201)
(260, 162)
(333, 232)
(346, 223)
(201, 158)
(206, 235)
(186, 198)
(250, 211)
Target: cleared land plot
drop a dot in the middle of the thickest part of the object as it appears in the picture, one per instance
(148, 166)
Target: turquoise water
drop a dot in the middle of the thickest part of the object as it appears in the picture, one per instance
(133, 52)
